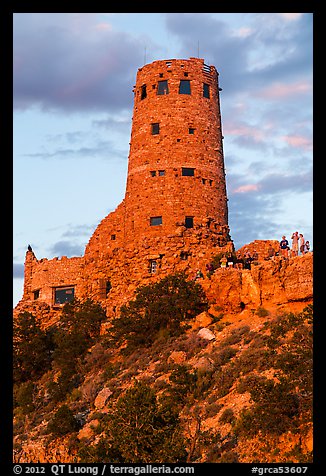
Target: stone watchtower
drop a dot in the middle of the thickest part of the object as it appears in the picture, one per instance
(176, 166)
(174, 215)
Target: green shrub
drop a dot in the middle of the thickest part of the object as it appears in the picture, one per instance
(262, 312)
(227, 416)
(63, 422)
(24, 397)
(32, 348)
(140, 429)
(159, 310)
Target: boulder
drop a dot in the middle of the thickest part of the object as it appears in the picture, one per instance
(206, 334)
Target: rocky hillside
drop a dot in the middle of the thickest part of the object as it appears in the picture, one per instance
(213, 370)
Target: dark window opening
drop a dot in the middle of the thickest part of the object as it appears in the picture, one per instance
(36, 294)
(191, 130)
(155, 221)
(113, 237)
(153, 173)
(143, 93)
(178, 140)
(210, 182)
(188, 172)
(184, 87)
(155, 128)
(184, 255)
(161, 75)
(168, 64)
(108, 287)
(189, 222)
(161, 173)
(163, 87)
(206, 91)
(152, 266)
(185, 74)
(203, 181)
(63, 295)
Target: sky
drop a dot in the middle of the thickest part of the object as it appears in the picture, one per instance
(72, 94)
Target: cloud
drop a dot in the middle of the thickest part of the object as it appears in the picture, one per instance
(284, 90)
(247, 188)
(290, 16)
(67, 248)
(71, 62)
(299, 142)
(103, 149)
(18, 270)
(247, 62)
(79, 230)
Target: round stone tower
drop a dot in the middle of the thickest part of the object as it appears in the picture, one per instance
(176, 171)
(174, 215)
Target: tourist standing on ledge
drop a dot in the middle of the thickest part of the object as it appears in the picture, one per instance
(295, 244)
(284, 244)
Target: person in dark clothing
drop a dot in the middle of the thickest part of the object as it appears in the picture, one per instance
(284, 244)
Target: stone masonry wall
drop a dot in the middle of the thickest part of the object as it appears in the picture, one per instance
(189, 207)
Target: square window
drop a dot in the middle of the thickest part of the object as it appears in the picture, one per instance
(188, 172)
(153, 173)
(163, 87)
(189, 222)
(155, 221)
(191, 130)
(161, 173)
(63, 295)
(155, 128)
(206, 93)
(113, 237)
(184, 87)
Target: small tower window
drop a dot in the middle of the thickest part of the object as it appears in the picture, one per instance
(153, 173)
(187, 172)
(155, 221)
(143, 93)
(108, 287)
(206, 91)
(161, 173)
(163, 87)
(184, 87)
(36, 294)
(191, 130)
(155, 128)
(113, 237)
(189, 222)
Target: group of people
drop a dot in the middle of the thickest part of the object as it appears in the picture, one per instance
(298, 245)
(245, 260)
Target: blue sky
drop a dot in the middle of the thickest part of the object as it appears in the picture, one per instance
(73, 80)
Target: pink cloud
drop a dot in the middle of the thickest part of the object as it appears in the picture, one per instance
(233, 129)
(290, 16)
(298, 142)
(282, 90)
(103, 26)
(247, 188)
